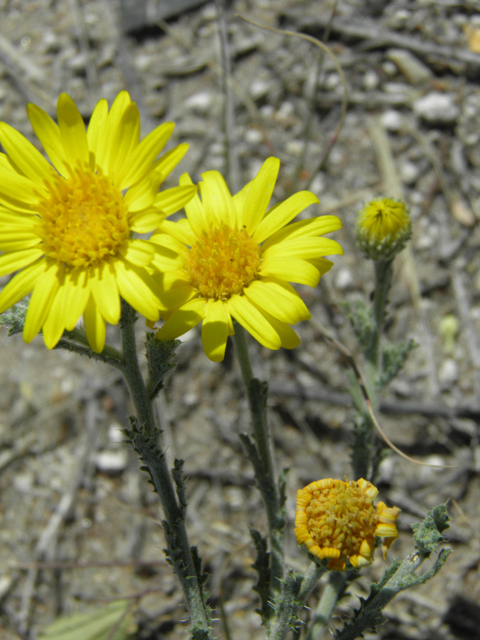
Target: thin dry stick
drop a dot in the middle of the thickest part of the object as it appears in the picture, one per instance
(339, 69)
(351, 361)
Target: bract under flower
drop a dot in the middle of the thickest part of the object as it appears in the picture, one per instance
(237, 260)
(67, 228)
(337, 520)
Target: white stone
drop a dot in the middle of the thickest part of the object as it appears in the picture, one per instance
(253, 136)
(392, 120)
(200, 102)
(115, 433)
(435, 107)
(344, 278)
(448, 373)
(111, 462)
(409, 172)
(370, 80)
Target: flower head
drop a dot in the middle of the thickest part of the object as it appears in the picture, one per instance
(338, 520)
(383, 228)
(67, 228)
(238, 259)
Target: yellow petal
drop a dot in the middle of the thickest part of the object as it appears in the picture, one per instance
(96, 126)
(138, 288)
(95, 327)
(291, 269)
(48, 132)
(183, 320)
(216, 199)
(194, 209)
(44, 291)
(142, 158)
(172, 200)
(10, 262)
(77, 288)
(167, 163)
(21, 284)
(110, 126)
(305, 248)
(215, 330)
(72, 131)
(253, 321)
(260, 194)
(16, 240)
(17, 192)
(105, 292)
(283, 214)
(276, 300)
(123, 143)
(26, 159)
(180, 230)
(138, 252)
(305, 228)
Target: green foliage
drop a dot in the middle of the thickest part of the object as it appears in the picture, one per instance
(98, 625)
(394, 357)
(428, 534)
(362, 322)
(262, 567)
(160, 357)
(400, 576)
(14, 318)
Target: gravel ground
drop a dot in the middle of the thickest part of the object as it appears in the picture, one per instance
(79, 525)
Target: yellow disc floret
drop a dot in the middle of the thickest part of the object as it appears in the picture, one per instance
(338, 520)
(84, 218)
(223, 262)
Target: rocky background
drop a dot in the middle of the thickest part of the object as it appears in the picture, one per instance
(79, 526)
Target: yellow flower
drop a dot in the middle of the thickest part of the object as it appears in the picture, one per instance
(238, 259)
(338, 520)
(68, 229)
(383, 228)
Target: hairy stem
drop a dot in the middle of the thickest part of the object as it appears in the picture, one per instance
(179, 550)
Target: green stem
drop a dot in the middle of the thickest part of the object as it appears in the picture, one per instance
(263, 463)
(328, 601)
(383, 281)
(179, 550)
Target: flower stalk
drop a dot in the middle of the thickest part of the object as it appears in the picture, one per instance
(144, 436)
(261, 455)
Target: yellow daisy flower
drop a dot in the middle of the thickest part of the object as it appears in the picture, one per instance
(383, 228)
(238, 259)
(68, 229)
(338, 520)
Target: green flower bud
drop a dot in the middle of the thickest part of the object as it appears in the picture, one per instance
(383, 228)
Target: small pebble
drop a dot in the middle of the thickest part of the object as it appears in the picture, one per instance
(437, 108)
(448, 373)
(112, 463)
(370, 80)
(199, 103)
(344, 278)
(409, 172)
(392, 120)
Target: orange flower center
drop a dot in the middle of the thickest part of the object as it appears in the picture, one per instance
(342, 517)
(223, 262)
(84, 218)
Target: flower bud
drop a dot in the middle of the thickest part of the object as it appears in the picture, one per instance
(383, 228)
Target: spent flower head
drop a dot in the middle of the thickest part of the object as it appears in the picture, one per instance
(67, 228)
(383, 228)
(237, 260)
(337, 519)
